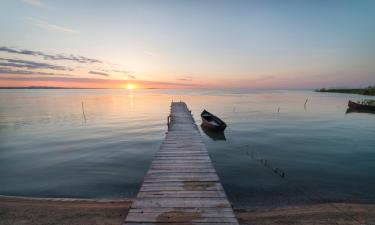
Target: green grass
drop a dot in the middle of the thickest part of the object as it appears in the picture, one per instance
(362, 91)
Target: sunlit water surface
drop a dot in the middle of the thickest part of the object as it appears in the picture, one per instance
(49, 148)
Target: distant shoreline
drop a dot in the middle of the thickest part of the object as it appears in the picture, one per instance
(370, 91)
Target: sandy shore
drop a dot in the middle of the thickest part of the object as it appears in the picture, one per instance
(22, 211)
(333, 213)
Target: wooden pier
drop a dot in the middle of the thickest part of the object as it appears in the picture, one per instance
(181, 186)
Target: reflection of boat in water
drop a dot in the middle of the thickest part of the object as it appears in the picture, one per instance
(358, 107)
(216, 136)
(349, 110)
(212, 122)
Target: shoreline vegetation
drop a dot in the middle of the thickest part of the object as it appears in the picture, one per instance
(370, 90)
(36, 211)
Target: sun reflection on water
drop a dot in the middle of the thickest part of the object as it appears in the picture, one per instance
(131, 96)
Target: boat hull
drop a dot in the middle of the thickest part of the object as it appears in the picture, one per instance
(357, 106)
(207, 125)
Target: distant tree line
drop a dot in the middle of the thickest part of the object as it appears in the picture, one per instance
(370, 90)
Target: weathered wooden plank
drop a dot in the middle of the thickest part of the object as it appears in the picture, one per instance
(181, 175)
(182, 194)
(185, 162)
(190, 164)
(179, 167)
(178, 183)
(155, 187)
(181, 156)
(177, 217)
(165, 180)
(181, 170)
(179, 152)
(181, 186)
(164, 160)
(201, 210)
(181, 202)
(168, 223)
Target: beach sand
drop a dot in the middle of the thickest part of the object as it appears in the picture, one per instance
(22, 211)
(332, 213)
(32, 211)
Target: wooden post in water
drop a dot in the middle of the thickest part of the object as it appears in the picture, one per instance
(181, 186)
(83, 112)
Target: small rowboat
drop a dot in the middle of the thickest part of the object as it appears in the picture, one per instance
(212, 122)
(358, 106)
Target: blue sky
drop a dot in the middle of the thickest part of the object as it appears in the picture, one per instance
(255, 44)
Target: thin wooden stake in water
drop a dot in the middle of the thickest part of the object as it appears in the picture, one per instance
(304, 106)
(83, 112)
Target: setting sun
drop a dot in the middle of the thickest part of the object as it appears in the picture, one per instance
(131, 86)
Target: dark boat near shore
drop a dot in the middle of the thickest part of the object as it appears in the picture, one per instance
(361, 107)
(212, 122)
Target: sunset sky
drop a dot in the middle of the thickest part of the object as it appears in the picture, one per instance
(187, 44)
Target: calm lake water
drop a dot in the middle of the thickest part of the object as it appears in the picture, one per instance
(49, 149)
